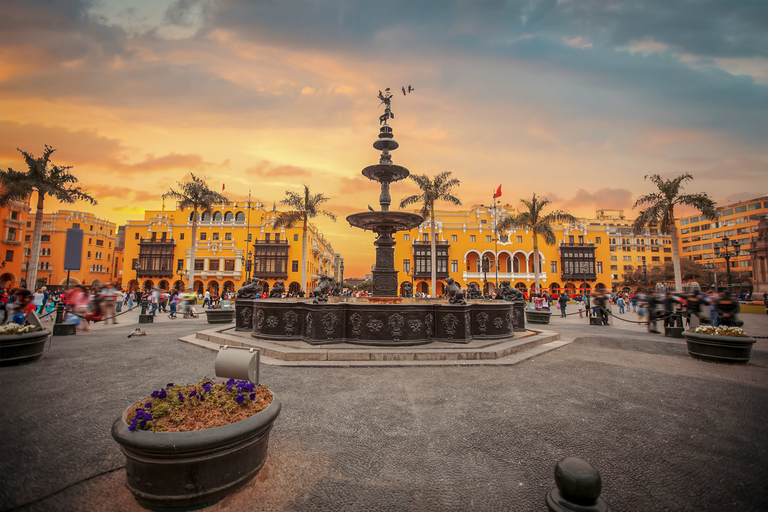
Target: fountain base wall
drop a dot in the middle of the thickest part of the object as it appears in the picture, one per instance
(363, 323)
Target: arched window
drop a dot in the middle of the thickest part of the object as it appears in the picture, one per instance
(206, 216)
(229, 217)
(192, 215)
(217, 216)
(239, 217)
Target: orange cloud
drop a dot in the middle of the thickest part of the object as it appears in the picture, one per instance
(267, 170)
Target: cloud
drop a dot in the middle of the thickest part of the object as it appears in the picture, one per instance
(585, 202)
(101, 192)
(266, 169)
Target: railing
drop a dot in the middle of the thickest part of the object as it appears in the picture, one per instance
(270, 242)
(11, 241)
(503, 275)
(167, 241)
(576, 244)
(578, 277)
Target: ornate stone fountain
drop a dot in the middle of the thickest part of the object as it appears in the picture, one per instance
(384, 319)
(384, 222)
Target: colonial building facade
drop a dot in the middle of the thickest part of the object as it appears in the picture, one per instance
(235, 242)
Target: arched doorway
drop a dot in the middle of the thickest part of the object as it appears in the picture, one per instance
(265, 288)
(213, 287)
(199, 287)
(424, 288)
(163, 284)
(522, 288)
(178, 285)
(148, 284)
(95, 283)
(600, 286)
(229, 286)
(294, 288)
(489, 288)
(7, 280)
(402, 288)
(570, 288)
(554, 289)
(440, 288)
(132, 284)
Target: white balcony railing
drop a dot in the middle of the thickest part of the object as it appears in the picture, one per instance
(510, 276)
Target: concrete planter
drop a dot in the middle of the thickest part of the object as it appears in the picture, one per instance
(537, 316)
(220, 316)
(171, 470)
(718, 349)
(22, 348)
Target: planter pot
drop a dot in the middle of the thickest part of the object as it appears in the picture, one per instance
(719, 349)
(539, 316)
(22, 348)
(220, 316)
(194, 469)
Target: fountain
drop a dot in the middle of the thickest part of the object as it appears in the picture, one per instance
(384, 319)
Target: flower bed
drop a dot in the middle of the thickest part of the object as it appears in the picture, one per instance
(721, 330)
(177, 408)
(188, 446)
(22, 344)
(730, 345)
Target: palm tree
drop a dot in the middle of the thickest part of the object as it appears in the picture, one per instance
(661, 211)
(533, 220)
(46, 180)
(438, 189)
(303, 209)
(195, 194)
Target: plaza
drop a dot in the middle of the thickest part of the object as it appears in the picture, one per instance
(667, 432)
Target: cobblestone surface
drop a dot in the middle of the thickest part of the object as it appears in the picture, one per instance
(667, 432)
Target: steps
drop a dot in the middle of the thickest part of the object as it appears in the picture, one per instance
(296, 353)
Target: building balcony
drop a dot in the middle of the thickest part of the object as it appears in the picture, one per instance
(155, 273)
(576, 244)
(578, 277)
(271, 242)
(428, 275)
(510, 276)
(10, 241)
(170, 241)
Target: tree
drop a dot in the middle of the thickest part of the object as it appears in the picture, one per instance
(660, 212)
(533, 220)
(303, 209)
(437, 189)
(47, 179)
(196, 195)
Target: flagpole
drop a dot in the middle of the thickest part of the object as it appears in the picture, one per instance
(496, 244)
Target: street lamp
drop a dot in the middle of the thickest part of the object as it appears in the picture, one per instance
(486, 265)
(136, 266)
(727, 242)
(713, 268)
(50, 273)
(645, 275)
(181, 278)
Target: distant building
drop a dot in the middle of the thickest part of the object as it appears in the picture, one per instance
(699, 236)
(15, 229)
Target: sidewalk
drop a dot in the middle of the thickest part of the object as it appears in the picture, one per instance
(667, 432)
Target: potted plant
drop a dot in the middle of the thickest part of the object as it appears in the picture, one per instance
(22, 344)
(719, 344)
(190, 445)
(219, 315)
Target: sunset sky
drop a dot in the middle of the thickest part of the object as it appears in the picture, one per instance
(573, 100)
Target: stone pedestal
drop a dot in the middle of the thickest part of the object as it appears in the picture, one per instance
(384, 273)
(244, 314)
(758, 252)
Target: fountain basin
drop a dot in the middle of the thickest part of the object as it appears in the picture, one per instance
(361, 322)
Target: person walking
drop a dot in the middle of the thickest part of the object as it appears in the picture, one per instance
(108, 300)
(207, 299)
(563, 301)
(580, 305)
(620, 302)
(174, 304)
(38, 299)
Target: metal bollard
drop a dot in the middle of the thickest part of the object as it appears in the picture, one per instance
(238, 363)
(144, 318)
(578, 488)
(59, 327)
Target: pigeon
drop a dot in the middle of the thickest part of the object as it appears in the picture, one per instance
(137, 332)
(403, 91)
(410, 89)
(371, 209)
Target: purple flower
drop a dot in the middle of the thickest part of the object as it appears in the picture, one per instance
(148, 405)
(249, 387)
(162, 394)
(207, 387)
(143, 424)
(231, 382)
(139, 411)
(181, 397)
(252, 396)
(147, 416)
(240, 399)
(169, 385)
(193, 393)
(155, 394)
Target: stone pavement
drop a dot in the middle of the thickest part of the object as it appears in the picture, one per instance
(667, 432)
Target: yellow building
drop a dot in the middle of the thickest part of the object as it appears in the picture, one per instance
(157, 250)
(592, 253)
(701, 239)
(97, 254)
(15, 230)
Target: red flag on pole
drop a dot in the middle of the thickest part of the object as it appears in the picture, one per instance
(498, 192)
(222, 186)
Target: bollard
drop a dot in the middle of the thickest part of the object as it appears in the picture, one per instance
(676, 330)
(238, 363)
(144, 318)
(59, 327)
(578, 488)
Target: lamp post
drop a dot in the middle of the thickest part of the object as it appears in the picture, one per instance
(341, 268)
(136, 266)
(181, 278)
(713, 268)
(645, 275)
(486, 265)
(727, 242)
(50, 274)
